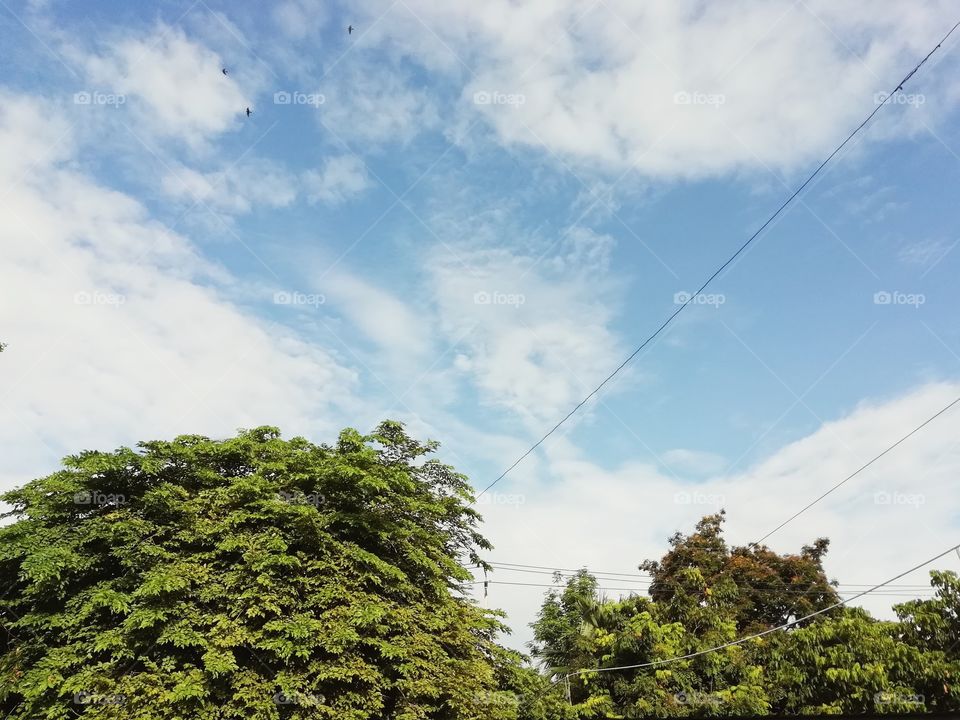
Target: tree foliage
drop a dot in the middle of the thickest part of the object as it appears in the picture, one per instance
(251, 577)
(766, 589)
(258, 577)
(704, 595)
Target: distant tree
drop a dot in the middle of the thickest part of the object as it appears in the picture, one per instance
(559, 639)
(766, 589)
(705, 595)
(935, 623)
(852, 663)
(253, 577)
(577, 630)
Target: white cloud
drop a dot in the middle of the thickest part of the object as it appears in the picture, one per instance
(119, 330)
(340, 179)
(925, 253)
(536, 330)
(299, 19)
(173, 84)
(371, 103)
(234, 189)
(386, 321)
(894, 515)
(678, 89)
(693, 462)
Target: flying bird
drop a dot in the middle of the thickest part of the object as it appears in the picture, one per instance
(224, 71)
(349, 29)
(249, 112)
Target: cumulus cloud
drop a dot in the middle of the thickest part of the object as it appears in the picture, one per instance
(118, 329)
(677, 89)
(535, 327)
(384, 319)
(896, 514)
(172, 84)
(925, 253)
(693, 463)
(234, 189)
(372, 104)
(340, 179)
(298, 19)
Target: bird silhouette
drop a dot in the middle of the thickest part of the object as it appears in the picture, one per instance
(349, 29)
(224, 71)
(249, 112)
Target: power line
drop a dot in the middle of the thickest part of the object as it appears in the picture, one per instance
(649, 580)
(719, 270)
(624, 577)
(595, 576)
(742, 640)
(905, 590)
(857, 472)
(553, 568)
(892, 593)
(547, 585)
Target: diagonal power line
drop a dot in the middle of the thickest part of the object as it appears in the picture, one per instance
(724, 266)
(856, 472)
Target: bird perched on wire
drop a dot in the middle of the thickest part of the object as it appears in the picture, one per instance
(249, 112)
(349, 29)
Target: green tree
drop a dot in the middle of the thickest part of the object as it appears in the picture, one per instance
(559, 638)
(579, 634)
(935, 623)
(852, 663)
(705, 595)
(251, 577)
(767, 589)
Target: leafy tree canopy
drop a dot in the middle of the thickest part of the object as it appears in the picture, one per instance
(252, 577)
(704, 595)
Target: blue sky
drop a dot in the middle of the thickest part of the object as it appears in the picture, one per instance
(576, 165)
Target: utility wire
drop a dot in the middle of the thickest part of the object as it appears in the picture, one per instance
(554, 568)
(742, 640)
(624, 577)
(856, 472)
(723, 267)
(649, 580)
(890, 593)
